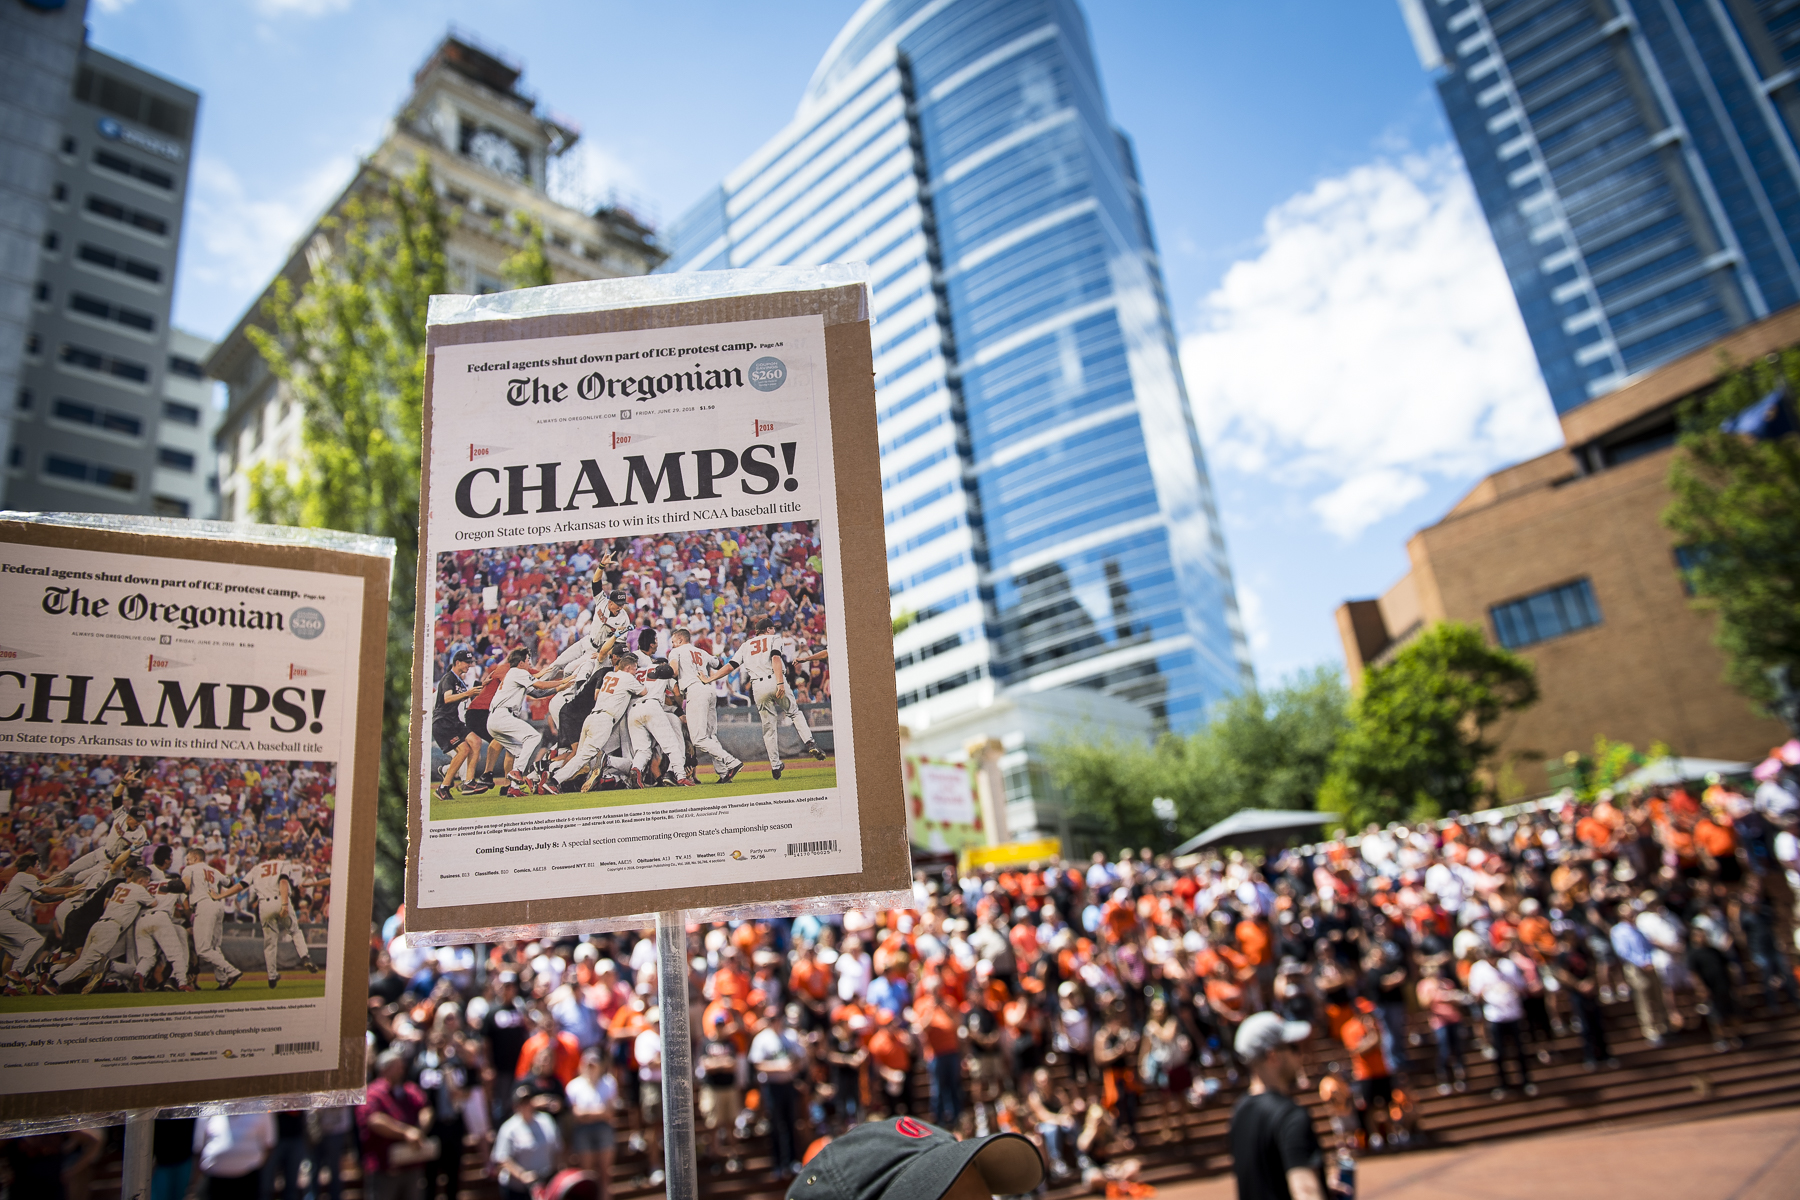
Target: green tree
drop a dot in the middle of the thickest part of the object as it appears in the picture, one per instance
(1419, 728)
(1260, 750)
(528, 266)
(1737, 504)
(350, 346)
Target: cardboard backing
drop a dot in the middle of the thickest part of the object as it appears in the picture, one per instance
(867, 641)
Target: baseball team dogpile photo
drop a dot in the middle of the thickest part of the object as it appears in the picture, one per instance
(630, 670)
(129, 881)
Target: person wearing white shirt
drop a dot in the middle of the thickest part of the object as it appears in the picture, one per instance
(232, 1151)
(648, 1050)
(593, 1094)
(1497, 982)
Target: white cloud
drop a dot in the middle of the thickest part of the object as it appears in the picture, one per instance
(1372, 342)
(1252, 613)
(588, 176)
(110, 7)
(1360, 501)
(238, 241)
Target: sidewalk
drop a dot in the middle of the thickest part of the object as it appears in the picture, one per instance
(1752, 1157)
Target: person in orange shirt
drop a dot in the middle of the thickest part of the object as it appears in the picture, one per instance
(566, 1050)
(1374, 1085)
(729, 981)
(623, 1031)
(1714, 836)
(1119, 917)
(1257, 946)
(890, 1047)
(810, 983)
(941, 1033)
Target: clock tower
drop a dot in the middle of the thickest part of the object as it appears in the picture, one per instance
(467, 101)
(488, 148)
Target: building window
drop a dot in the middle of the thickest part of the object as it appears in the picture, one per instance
(175, 460)
(77, 412)
(61, 193)
(187, 368)
(24, 399)
(86, 472)
(133, 170)
(112, 210)
(42, 292)
(101, 257)
(93, 360)
(169, 506)
(131, 102)
(34, 344)
(1689, 559)
(18, 455)
(105, 310)
(51, 240)
(68, 146)
(181, 414)
(1550, 613)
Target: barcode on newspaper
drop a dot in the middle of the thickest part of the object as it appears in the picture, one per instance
(296, 1047)
(811, 847)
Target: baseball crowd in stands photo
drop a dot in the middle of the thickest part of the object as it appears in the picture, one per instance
(1091, 1005)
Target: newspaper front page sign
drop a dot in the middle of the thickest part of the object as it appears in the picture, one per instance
(653, 617)
(182, 794)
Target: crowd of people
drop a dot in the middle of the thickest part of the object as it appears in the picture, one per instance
(1053, 999)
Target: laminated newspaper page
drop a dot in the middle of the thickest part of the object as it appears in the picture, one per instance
(653, 616)
(182, 900)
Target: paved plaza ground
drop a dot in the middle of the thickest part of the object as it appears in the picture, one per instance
(1751, 1157)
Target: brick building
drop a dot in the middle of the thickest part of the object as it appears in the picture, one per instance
(1564, 559)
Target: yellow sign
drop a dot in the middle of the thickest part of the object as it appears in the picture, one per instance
(1012, 854)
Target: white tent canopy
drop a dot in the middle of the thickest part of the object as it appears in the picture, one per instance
(1257, 827)
(1666, 772)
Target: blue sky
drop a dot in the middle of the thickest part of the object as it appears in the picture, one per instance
(1350, 343)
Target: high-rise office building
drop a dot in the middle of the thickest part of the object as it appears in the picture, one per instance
(489, 149)
(40, 47)
(1636, 161)
(88, 416)
(1049, 519)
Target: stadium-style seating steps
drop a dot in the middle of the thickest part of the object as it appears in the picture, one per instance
(1176, 1141)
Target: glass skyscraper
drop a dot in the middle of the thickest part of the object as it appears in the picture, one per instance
(1637, 165)
(1049, 519)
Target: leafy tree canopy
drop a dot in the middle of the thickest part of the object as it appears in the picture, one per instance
(1737, 507)
(1260, 750)
(1419, 731)
(350, 346)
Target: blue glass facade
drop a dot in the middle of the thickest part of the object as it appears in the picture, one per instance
(1049, 518)
(1636, 162)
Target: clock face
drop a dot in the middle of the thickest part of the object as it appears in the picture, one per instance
(496, 153)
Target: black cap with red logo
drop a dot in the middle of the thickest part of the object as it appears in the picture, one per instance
(910, 1160)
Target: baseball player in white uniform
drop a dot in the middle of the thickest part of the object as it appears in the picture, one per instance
(766, 658)
(507, 723)
(121, 912)
(612, 618)
(207, 890)
(82, 888)
(159, 928)
(18, 937)
(691, 665)
(128, 831)
(612, 699)
(275, 882)
(653, 719)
